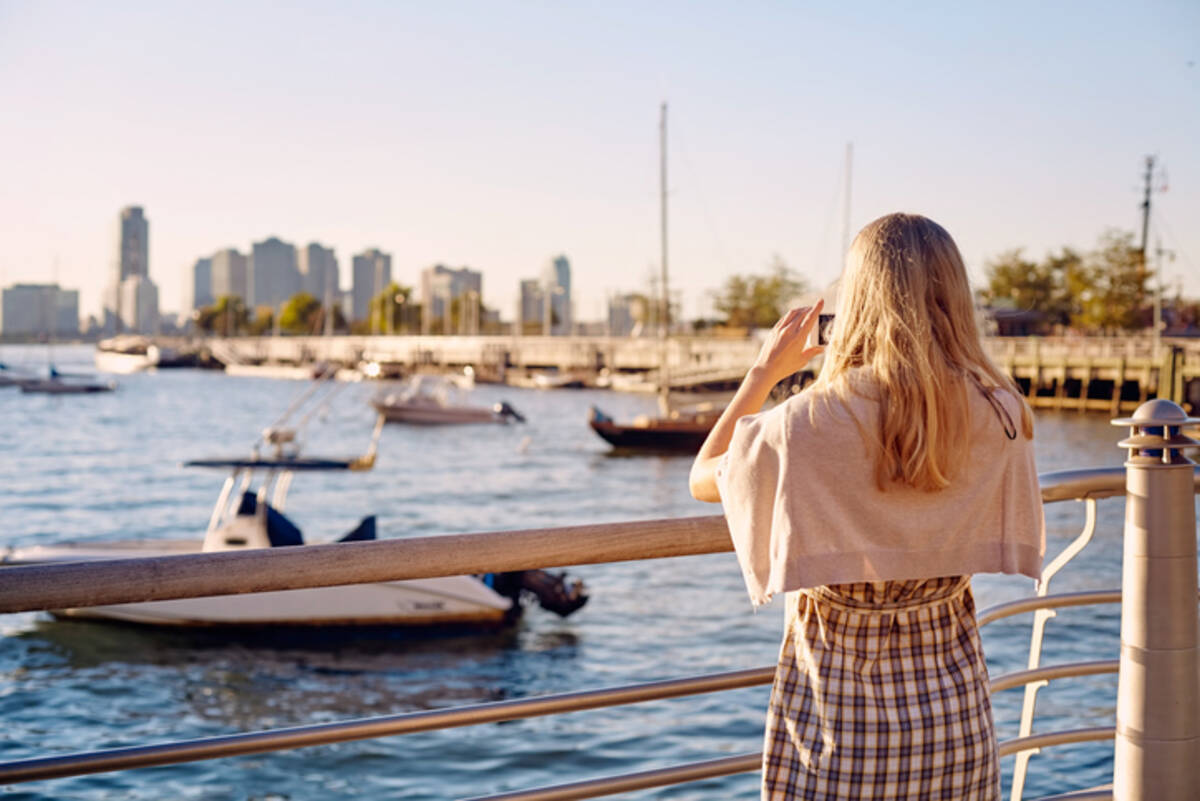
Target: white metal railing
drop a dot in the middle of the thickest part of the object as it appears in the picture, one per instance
(29, 588)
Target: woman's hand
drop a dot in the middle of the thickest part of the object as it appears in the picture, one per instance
(783, 352)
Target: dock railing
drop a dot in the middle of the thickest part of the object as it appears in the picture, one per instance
(1158, 712)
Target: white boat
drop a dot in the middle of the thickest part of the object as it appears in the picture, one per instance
(249, 514)
(128, 354)
(433, 400)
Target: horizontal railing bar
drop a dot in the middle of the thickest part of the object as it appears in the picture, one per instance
(1096, 794)
(1064, 671)
(367, 728)
(120, 581)
(628, 782)
(1060, 601)
(163, 578)
(1010, 747)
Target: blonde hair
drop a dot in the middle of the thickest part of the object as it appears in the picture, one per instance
(905, 314)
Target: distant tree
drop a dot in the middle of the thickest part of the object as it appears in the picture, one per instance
(391, 311)
(301, 314)
(263, 322)
(758, 301)
(1102, 290)
(225, 317)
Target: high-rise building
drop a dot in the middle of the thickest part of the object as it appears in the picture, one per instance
(139, 305)
(202, 283)
(39, 310)
(441, 286)
(318, 271)
(132, 260)
(272, 276)
(556, 283)
(229, 275)
(625, 312)
(532, 302)
(372, 271)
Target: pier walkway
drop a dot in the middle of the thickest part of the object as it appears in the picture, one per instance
(1108, 374)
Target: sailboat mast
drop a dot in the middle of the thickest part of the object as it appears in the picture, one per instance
(664, 379)
(666, 294)
(846, 209)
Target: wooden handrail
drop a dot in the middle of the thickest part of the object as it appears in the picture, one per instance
(161, 578)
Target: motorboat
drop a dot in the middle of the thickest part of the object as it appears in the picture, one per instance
(679, 430)
(433, 400)
(130, 354)
(249, 514)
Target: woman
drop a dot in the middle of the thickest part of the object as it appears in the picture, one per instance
(870, 498)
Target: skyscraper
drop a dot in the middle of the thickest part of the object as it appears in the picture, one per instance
(318, 269)
(372, 271)
(39, 310)
(441, 286)
(229, 275)
(272, 276)
(132, 262)
(202, 283)
(556, 283)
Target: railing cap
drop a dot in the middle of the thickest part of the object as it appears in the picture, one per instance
(1158, 412)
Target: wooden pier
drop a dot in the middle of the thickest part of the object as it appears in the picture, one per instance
(1105, 374)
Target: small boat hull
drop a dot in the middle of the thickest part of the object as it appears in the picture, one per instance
(683, 433)
(428, 414)
(458, 601)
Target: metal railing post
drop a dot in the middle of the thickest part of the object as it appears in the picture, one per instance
(1157, 751)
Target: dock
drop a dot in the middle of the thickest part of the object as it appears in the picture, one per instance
(1104, 374)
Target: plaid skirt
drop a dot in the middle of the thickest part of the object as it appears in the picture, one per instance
(881, 693)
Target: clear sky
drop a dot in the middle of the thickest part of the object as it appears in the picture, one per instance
(499, 134)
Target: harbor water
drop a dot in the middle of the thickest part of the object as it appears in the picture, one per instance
(108, 467)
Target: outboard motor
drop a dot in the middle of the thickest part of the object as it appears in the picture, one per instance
(504, 410)
(554, 592)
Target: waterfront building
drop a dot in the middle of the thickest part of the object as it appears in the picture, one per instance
(139, 305)
(372, 271)
(441, 287)
(556, 284)
(39, 310)
(318, 270)
(229, 270)
(271, 275)
(202, 284)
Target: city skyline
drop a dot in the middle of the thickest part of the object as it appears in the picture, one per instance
(1017, 127)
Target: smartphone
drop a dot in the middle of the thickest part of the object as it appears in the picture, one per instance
(824, 328)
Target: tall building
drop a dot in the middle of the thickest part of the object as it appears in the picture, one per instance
(441, 286)
(624, 313)
(202, 283)
(132, 261)
(318, 269)
(229, 275)
(372, 271)
(272, 276)
(556, 283)
(532, 303)
(139, 305)
(39, 310)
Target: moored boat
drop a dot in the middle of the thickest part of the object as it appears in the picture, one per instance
(431, 400)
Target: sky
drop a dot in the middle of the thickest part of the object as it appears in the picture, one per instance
(497, 135)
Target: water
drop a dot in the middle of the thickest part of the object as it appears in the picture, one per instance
(107, 466)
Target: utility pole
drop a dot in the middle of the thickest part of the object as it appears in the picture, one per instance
(1146, 208)
(666, 295)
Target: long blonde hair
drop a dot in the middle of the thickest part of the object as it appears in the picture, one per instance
(905, 314)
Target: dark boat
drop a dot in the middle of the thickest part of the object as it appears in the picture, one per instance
(680, 432)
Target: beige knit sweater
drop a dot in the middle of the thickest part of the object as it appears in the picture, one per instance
(804, 510)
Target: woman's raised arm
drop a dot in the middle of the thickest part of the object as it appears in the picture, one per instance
(782, 354)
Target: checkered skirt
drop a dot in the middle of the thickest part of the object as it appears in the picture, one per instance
(881, 693)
